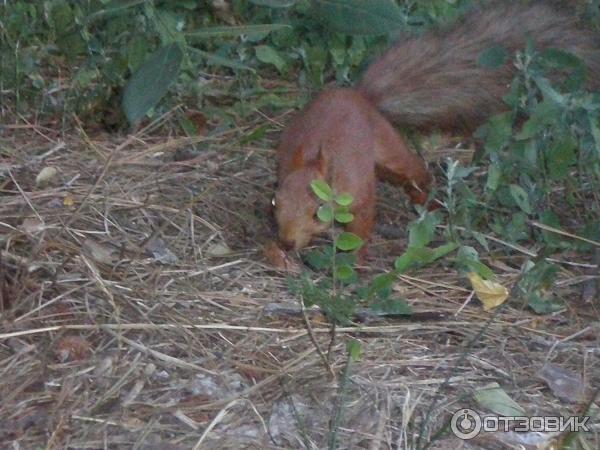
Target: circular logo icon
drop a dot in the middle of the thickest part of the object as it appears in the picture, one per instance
(465, 424)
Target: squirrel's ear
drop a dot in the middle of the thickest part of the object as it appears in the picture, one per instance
(298, 158)
(321, 162)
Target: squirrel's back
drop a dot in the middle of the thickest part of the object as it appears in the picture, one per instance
(435, 81)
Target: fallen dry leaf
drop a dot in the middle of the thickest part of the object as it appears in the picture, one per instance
(32, 225)
(218, 250)
(46, 175)
(72, 348)
(101, 253)
(69, 200)
(565, 384)
(490, 293)
(160, 251)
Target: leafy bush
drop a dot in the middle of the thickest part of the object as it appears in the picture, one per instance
(552, 159)
(68, 56)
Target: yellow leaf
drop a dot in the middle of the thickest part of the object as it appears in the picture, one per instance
(490, 293)
(69, 200)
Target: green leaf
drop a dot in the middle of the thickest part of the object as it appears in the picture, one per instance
(561, 60)
(325, 213)
(381, 286)
(544, 304)
(460, 173)
(550, 219)
(495, 399)
(61, 16)
(443, 250)
(319, 259)
(467, 259)
(494, 176)
(72, 44)
(595, 130)
(561, 157)
(591, 231)
(545, 113)
(274, 3)
(167, 24)
(473, 265)
(137, 49)
(358, 17)
(315, 59)
(348, 241)
(493, 58)
(348, 259)
(395, 306)
(337, 49)
(113, 8)
(268, 55)
(517, 228)
(84, 76)
(236, 31)
(219, 60)
(467, 252)
(520, 197)
(539, 275)
(344, 199)
(357, 52)
(412, 258)
(322, 190)
(344, 272)
(344, 217)
(151, 82)
(479, 237)
(536, 287)
(190, 5)
(549, 92)
(354, 349)
(497, 132)
(255, 135)
(422, 231)
(415, 257)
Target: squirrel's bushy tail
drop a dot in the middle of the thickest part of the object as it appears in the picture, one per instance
(434, 80)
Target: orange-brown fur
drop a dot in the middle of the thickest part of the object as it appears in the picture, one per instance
(434, 80)
(428, 81)
(340, 138)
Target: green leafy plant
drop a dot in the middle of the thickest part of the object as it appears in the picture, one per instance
(543, 170)
(338, 305)
(342, 292)
(556, 150)
(535, 287)
(94, 59)
(99, 49)
(420, 235)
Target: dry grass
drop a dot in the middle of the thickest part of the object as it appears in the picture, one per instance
(136, 313)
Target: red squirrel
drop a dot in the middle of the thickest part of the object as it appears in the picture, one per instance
(340, 137)
(429, 81)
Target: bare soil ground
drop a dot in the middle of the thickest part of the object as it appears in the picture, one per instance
(137, 312)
